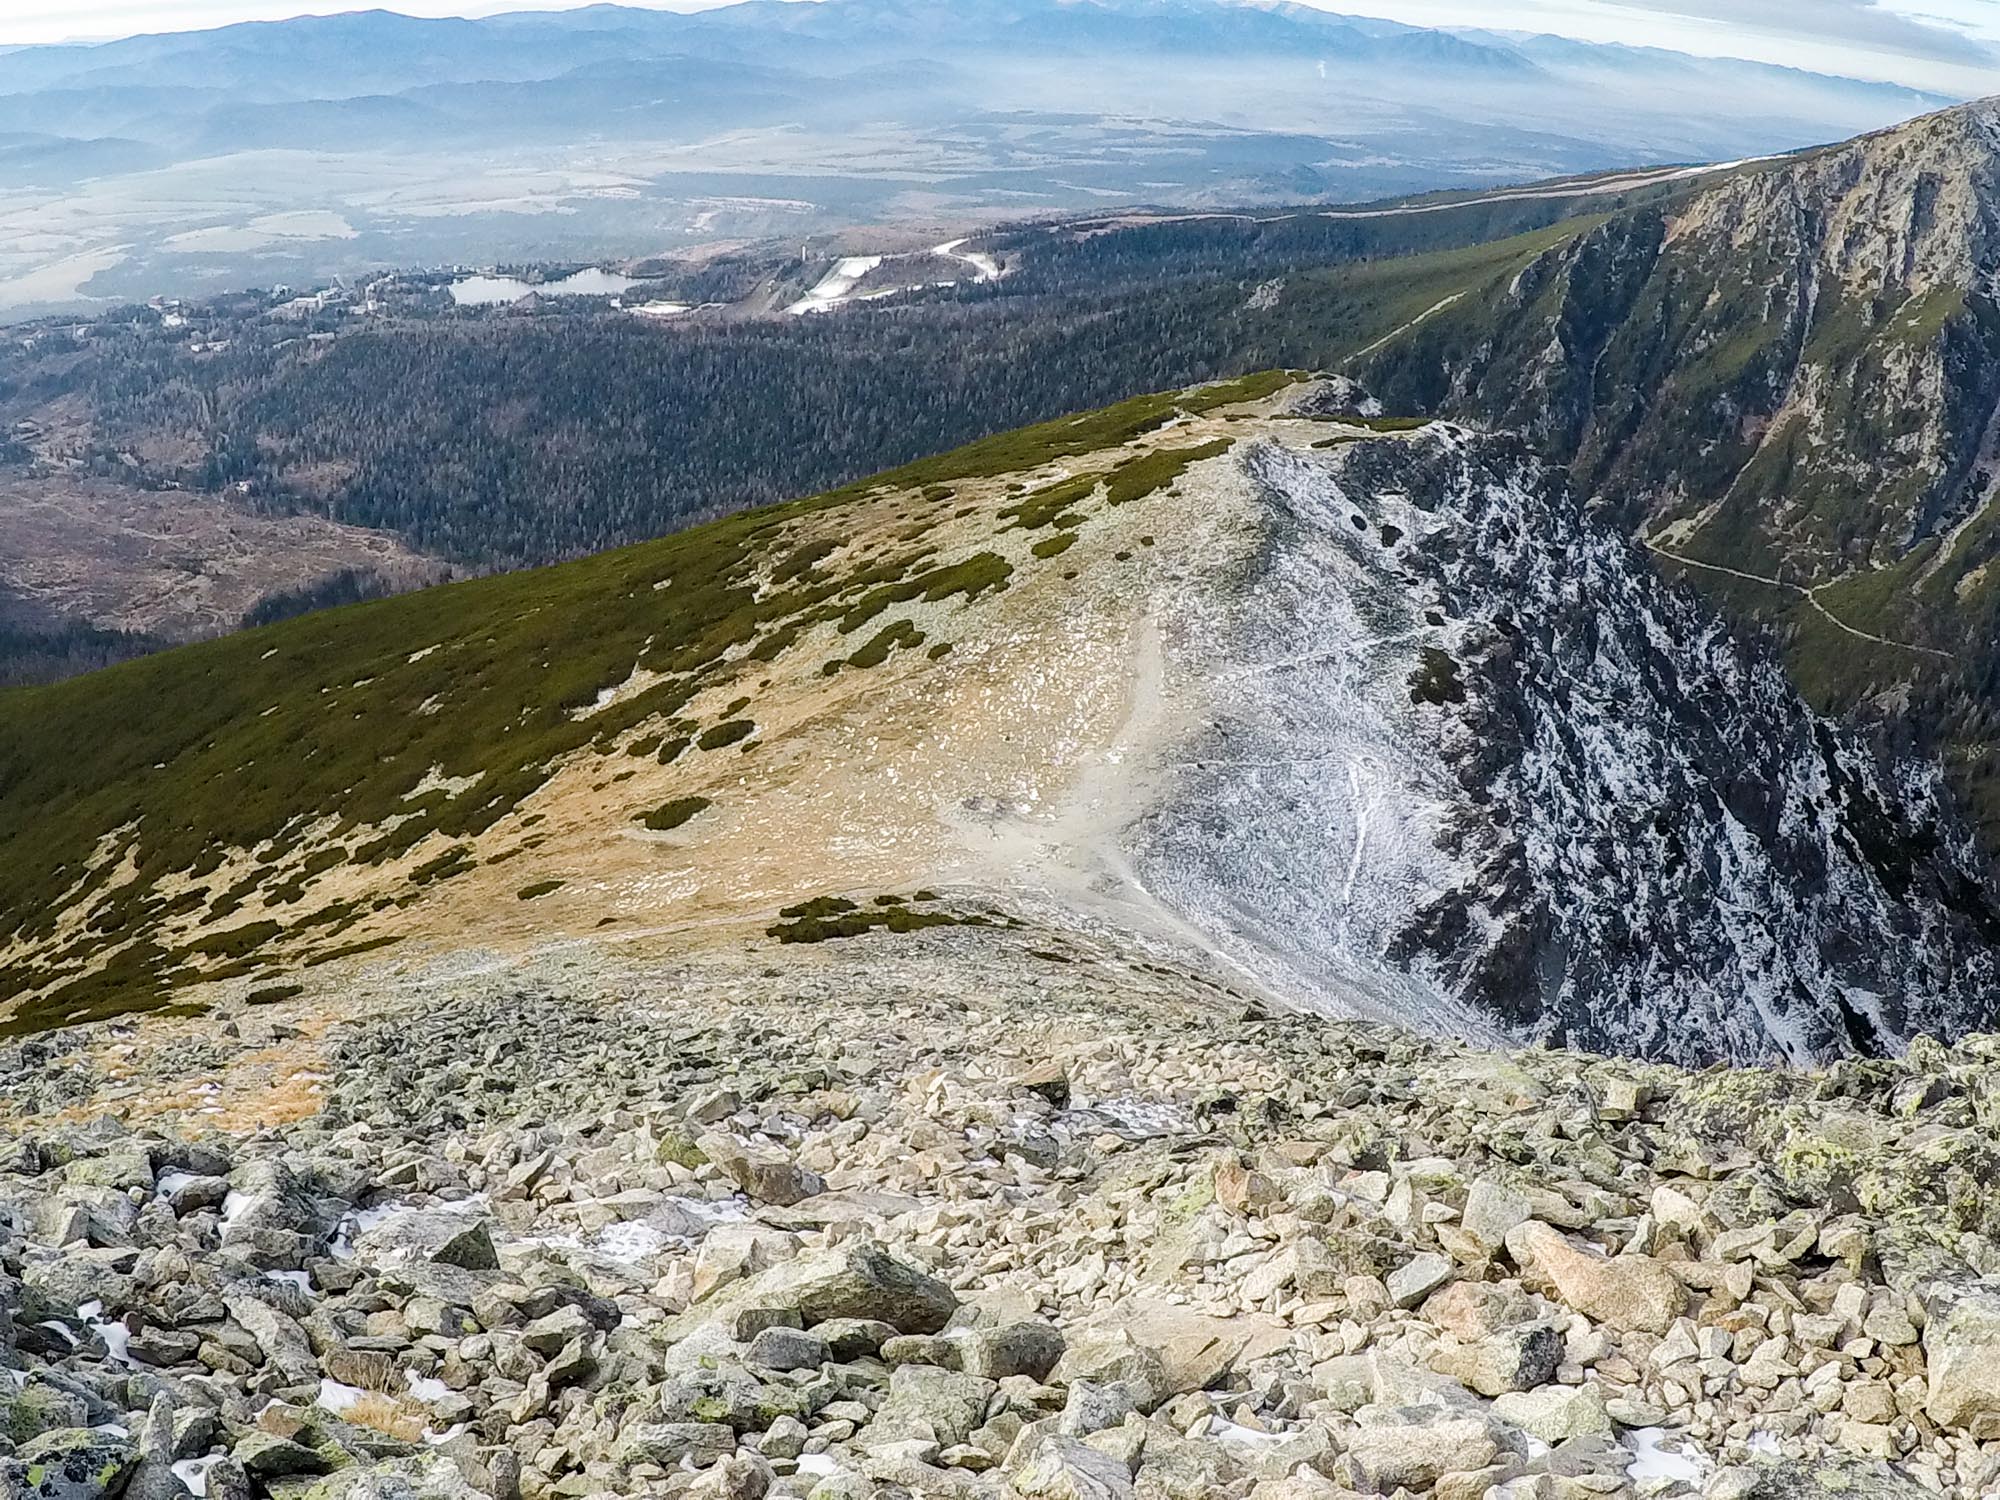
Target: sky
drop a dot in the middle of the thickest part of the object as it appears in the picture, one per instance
(1950, 46)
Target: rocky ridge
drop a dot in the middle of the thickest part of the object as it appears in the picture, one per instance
(1743, 371)
(1363, 712)
(1467, 757)
(1787, 383)
(920, 1218)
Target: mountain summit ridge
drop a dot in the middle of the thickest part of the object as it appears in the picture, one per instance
(1361, 715)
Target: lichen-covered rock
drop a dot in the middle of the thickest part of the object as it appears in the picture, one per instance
(1395, 1453)
(68, 1464)
(37, 1408)
(1556, 1413)
(1062, 1468)
(1025, 1348)
(766, 1175)
(442, 1236)
(668, 1443)
(860, 1280)
(1632, 1292)
(938, 1406)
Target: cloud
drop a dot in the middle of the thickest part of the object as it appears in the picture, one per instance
(1864, 23)
(23, 21)
(1946, 46)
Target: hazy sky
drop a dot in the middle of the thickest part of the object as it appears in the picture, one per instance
(1949, 45)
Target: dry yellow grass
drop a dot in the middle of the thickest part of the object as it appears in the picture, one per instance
(387, 1414)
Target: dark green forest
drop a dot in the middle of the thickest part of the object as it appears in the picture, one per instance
(510, 438)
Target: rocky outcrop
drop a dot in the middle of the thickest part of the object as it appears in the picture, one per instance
(1787, 382)
(1465, 761)
(1798, 360)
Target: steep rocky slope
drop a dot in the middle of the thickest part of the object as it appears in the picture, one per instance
(1355, 714)
(951, 1214)
(1465, 749)
(1788, 381)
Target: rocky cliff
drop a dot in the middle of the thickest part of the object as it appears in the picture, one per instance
(1466, 755)
(1788, 383)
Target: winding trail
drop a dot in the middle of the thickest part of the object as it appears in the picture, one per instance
(1811, 596)
(1595, 188)
(985, 267)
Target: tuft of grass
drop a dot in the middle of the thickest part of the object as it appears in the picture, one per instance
(1139, 477)
(352, 950)
(671, 815)
(387, 1415)
(725, 734)
(234, 942)
(536, 889)
(901, 634)
(819, 906)
(455, 861)
(1050, 505)
(897, 919)
(974, 576)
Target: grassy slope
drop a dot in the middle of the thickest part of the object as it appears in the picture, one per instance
(343, 738)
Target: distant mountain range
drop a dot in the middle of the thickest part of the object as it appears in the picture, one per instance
(612, 131)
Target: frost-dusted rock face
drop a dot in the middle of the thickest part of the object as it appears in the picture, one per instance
(1469, 762)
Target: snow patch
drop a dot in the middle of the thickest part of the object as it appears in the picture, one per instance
(1235, 1432)
(1651, 1459)
(193, 1472)
(340, 1399)
(435, 780)
(837, 286)
(427, 1389)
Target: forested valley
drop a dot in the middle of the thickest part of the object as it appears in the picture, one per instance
(511, 437)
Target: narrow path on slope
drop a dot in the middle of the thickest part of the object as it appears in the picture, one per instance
(1597, 189)
(1811, 596)
(985, 266)
(1395, 333)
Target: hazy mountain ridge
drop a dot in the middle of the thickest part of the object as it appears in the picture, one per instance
(629, 132)
(381, 51)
